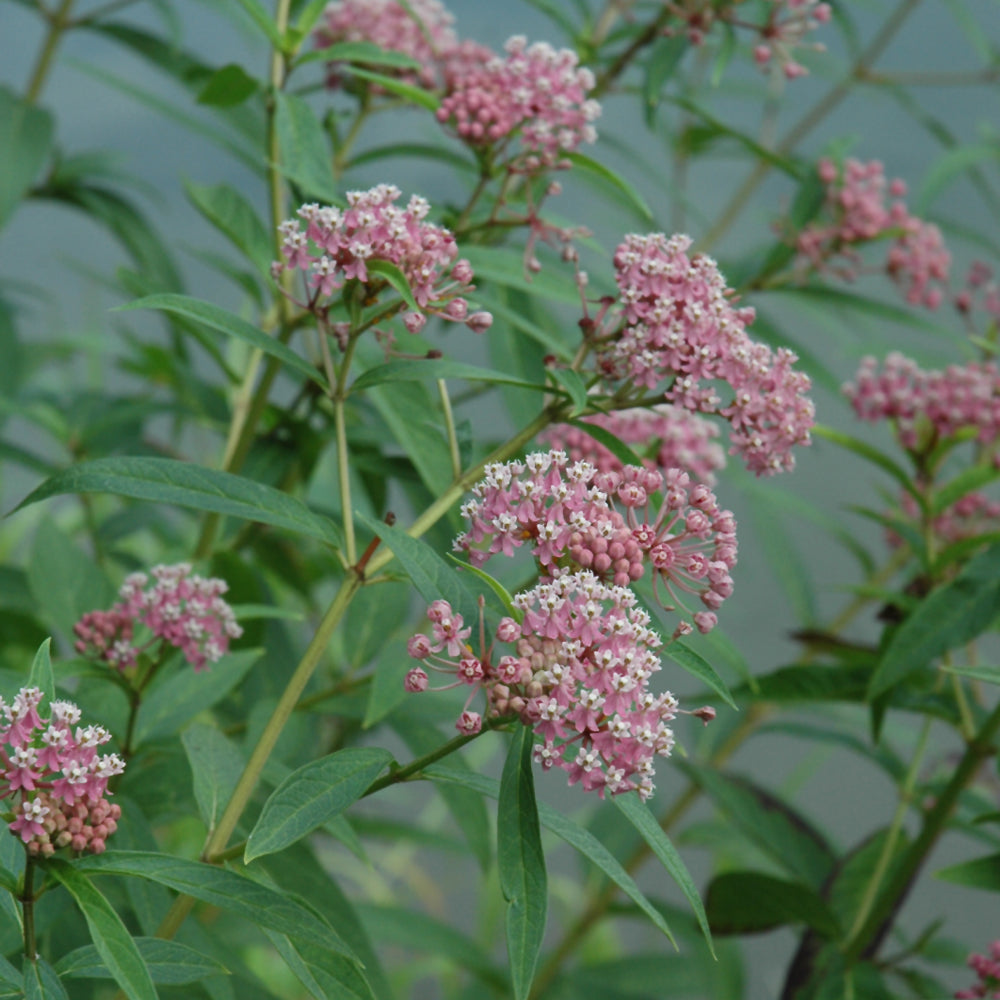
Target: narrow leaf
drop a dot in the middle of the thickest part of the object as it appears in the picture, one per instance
(435, 368)
(232, 325)
(415, 95)
(236, 218)
(25, 138)
(165, 480)
(981, 873)
(360, 52)
(222, 888)
(41, 675)
(216, 765)
(608, 178)
(305, 152)
(313, 795)
(228, 86)
(41, 982)
(395, 277)
(638, 814)
(111, 938)
(696, 664)
(521, 863)
(750, 903)
(169, 963)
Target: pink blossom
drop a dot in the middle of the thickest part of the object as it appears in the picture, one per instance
(673, 436)
(928, 406)
(55, 777)
(183, 609)
(677, 323)
(424, 33)
(968, 517)
(533, 91)
(987, 968)
(338, 246)
(577, 673)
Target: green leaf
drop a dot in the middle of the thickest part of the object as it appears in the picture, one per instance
(694, 663)
(615, 445)
(111, 938)
(661, 64)
(64, 582)
(609, 179)
(395, 926)
(222, 888)
(786, 836)
(230, 324)
(566, 829)
(165, 480)
(312, 795)
(521, 863)
(506, 267)
(749, 903)
(866, 451)
(504, 595)
(982, 873)
(11, 981)
(638, 814)
(25, 138)
(988, 675)
(228, 86)
(575, 388)
(235, 217)
(216, 765)
(950, 167)
(431, 575)
(360, 52)
(169, 963)
(260, 16)
(305, 152)
(415, 95)
(395, 277)
(950, 616)
(964, 483)
(41, 675)
(426, 369)
(181, 697)
(41, 982)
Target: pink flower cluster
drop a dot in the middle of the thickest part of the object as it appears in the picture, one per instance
(338, 245)
(927, 406)
(180, 608)
(424, 35)
(675, 437)
(536, 91)
(987, 968)
(858, 212)
(981, 292)
(786, 25)
(577, 673)
(54, 776)
(679, 323)
(565, 511)
(970, 516)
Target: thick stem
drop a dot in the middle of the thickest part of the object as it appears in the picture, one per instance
(58, 23)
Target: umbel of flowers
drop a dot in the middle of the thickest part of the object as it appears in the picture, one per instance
(676, 324)
(54, 778)
(583, 652)
(178, 608)
(339, 245)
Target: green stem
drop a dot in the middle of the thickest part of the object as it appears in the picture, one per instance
(623, 60)
(58, 23)
(28, 908)
(449, 423)
(808, 122)
(865, 940)
(895, 828)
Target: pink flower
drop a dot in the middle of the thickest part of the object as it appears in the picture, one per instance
(339, 246)
(54, 776)
(987, 968)
(534, 91)
(424, 32)
(183, 609)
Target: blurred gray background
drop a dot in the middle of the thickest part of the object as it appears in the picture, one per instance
(61, 254)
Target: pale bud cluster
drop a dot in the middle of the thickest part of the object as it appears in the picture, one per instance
(54, 777)
(179, 607)
(338, 245)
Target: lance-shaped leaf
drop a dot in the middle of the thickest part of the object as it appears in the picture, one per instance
(41, 982)
(232, 325)
(312, 795)
(222, 888)
(25, 138)
(216, 765)
(166, 480)
(41, 675)
(981, 873)
(948, 617)
(521, 863)
(751, 902)
(112, 940)
(694, 663)
(169, 962)
(659, 843)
